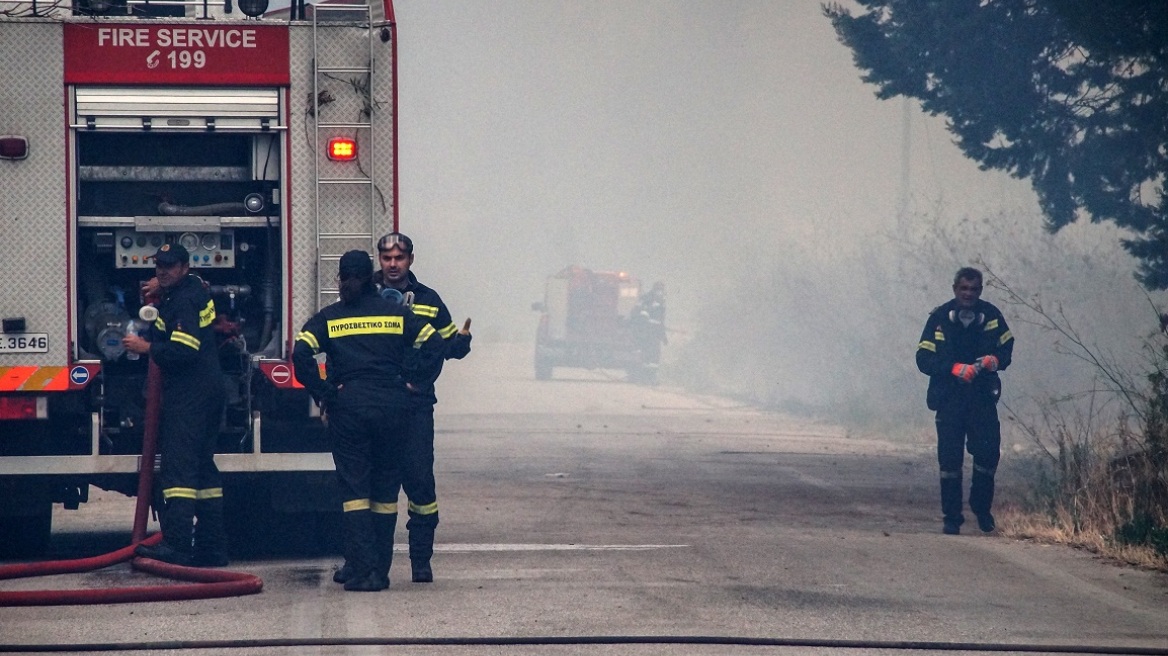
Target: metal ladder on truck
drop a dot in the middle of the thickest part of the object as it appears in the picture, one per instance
(342, 106)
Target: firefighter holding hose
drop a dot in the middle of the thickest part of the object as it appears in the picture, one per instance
(182, 344)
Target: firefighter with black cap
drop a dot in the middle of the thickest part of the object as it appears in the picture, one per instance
(377, 352)
(395, 253)
(964, 345)
(182, 343)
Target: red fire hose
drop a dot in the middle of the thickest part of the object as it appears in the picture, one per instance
(208, 583)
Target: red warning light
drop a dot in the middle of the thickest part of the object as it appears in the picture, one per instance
(342, 149)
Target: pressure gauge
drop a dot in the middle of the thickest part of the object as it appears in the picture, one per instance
(189, 241)
(210, 241)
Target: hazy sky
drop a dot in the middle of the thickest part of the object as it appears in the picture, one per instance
(686, 141)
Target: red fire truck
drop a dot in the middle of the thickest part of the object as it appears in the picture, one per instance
(264, 145)
(587, 321)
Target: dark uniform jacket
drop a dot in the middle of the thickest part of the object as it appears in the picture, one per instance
(946, 341)
(426, 303)
(355, 338)
(182, 341)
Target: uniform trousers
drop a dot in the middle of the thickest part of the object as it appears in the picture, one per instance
(968, 423)
(367, 440)
(189, 430)
(417, 479)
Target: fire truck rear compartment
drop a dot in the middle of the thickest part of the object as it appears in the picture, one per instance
(218, 195)
(212, 193)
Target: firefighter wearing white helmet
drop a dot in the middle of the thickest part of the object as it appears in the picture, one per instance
(396, 256)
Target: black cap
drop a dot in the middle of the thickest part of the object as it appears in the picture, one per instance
(169, 255)
(355, 264)
(388, 242)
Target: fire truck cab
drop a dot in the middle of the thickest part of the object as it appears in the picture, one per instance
(264, 145)
(586, 321)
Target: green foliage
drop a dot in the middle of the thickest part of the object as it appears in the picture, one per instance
(1144, 530)
(1156, 422)
(1145, 471)
(1069, 94)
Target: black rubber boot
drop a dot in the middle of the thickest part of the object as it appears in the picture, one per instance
(384, 525)
(421, 550)
(165, 553)
(370, 582)
(359, 556)
(210, 536)
(420, 571)
(343, 574)
(178, 523)
(985, 521)
(981, 498)
(951, 493)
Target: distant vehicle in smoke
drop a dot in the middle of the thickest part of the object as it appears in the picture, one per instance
(589, 319)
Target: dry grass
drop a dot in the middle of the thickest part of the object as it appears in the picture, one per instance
(1095, 537)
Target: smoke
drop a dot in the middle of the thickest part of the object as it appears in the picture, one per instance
(803, 228)
(841, 329)
(683, 141)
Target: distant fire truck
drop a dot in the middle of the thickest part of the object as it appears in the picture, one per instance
(587, 321)
(266, 146)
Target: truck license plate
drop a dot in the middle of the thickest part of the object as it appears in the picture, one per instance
(24, 343)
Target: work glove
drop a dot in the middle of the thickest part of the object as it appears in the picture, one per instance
(966, 372)
(988, 362)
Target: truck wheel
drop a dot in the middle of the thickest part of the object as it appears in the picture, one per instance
(26, 536)
(543, 369)
(642, 374)
(634, 373)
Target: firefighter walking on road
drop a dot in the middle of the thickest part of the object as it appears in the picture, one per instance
(648, 322)
(396, 256)
(963, 347)
(182, 343)
(377, 352)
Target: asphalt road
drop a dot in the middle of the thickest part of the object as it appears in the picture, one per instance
(586, 515)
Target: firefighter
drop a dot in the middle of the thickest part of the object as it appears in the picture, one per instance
(376, 351)
(182, 343)
(396, 256)
(648, 319)
(963, 347)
